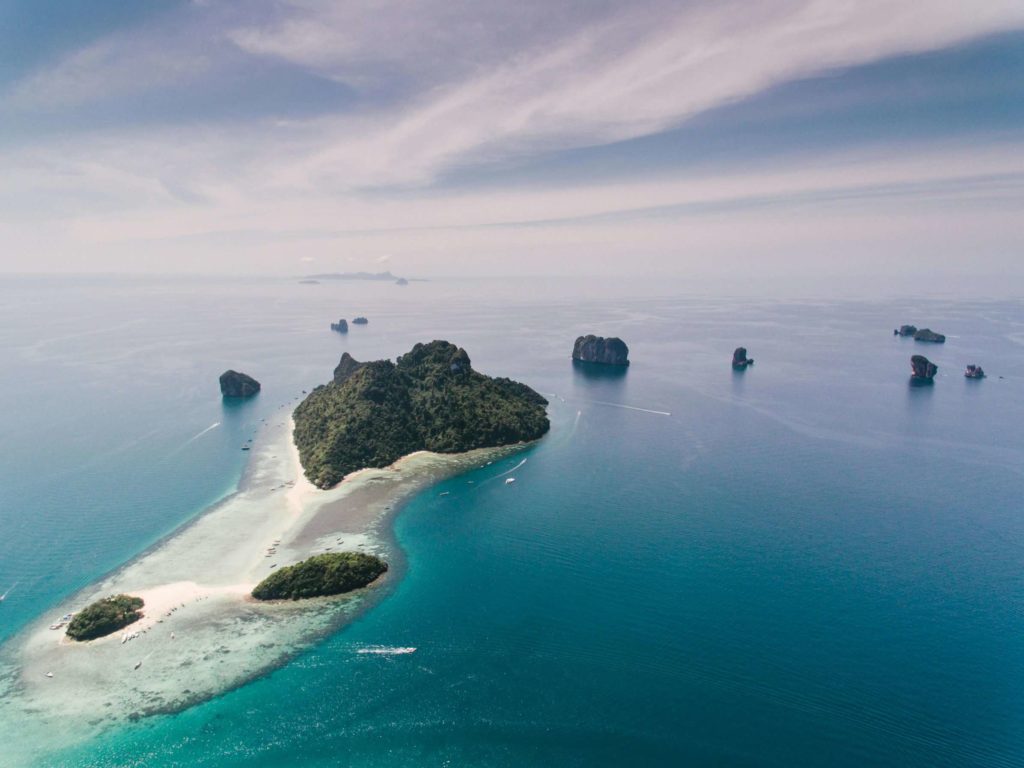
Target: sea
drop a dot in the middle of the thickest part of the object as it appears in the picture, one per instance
(807, 563)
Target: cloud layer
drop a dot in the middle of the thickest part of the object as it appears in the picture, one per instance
(376, 106)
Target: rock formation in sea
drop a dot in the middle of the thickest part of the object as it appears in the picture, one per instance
(597, 349)
(359, 321)
(429, 399)
(341, 326)
(974, 372)
(235, 384)
(905, 330)
(740, 360)
(346, 367)
(401, 281)
(927, 334)
(922, 369)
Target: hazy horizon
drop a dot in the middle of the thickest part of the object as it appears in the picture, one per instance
(791, 142)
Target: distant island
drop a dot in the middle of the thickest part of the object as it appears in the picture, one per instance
(922, 370)
(359, 320)
(927, 334)
(341, 326)
(597, 349)
(105, 616)
(234, 384)
(430, 399)
(740, 361)
(919, 334)
(333, 573)
(386, 277)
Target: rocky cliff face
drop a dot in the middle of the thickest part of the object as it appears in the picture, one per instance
(235, 384)
(597, 349)
(740, 359)
(927, 334)
(347, 366)
(922, 369)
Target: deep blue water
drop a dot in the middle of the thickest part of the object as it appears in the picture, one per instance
(809, 563)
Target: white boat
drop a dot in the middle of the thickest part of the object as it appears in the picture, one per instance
(386, 651)
(124, 638)
(510, 480)
(138, 664)
(49, 674)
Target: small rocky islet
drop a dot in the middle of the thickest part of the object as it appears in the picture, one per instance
(919, 334)
(238, 385)
(922, 370)
(341, 326)
(600, 350)
(740, 361)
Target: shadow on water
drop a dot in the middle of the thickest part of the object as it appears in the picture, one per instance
(919, 394)
(599, 371)
(239, 412)
(737, 379)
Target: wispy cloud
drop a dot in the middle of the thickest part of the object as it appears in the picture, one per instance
(441, 85)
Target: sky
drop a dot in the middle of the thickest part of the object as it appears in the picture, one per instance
(475, 137)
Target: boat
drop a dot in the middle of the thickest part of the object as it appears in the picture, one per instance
(445, 493)
(138, 664)
(510, 481)
(124, 638)
(380, 650)
(49, 674)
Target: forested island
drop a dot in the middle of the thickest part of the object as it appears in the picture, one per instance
(105, 616)
(333, 573)
(428, 399)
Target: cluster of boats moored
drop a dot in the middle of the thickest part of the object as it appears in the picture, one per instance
(272, 550)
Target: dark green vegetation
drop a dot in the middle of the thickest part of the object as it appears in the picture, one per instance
(430, 399)
(329, 574)
(105, 616)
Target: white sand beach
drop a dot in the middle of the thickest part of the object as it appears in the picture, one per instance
(202, 633)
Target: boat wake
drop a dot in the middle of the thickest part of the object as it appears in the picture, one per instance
(384, 650)
(629, 407)
(509, 472)
(196, 437)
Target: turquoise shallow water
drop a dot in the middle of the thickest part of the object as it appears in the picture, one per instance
(809, 563)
